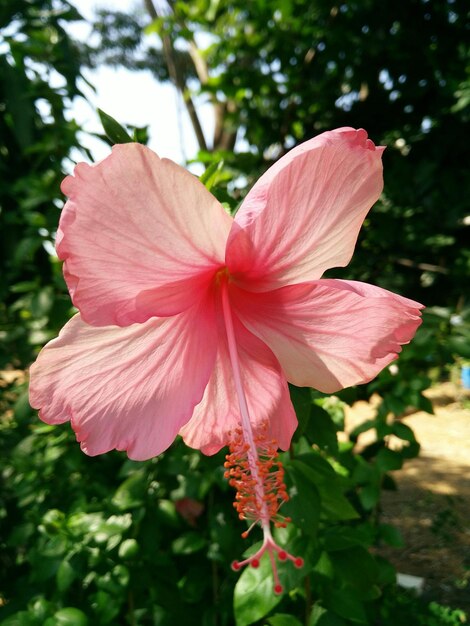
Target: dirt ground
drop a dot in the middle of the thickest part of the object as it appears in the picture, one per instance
(432, 504)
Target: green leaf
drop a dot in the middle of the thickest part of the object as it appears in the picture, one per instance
(41, 608)
(344, 602)
(114, 131)
(322, 617)
(22, 407)
(79, 524)
(388, 460)
(365, 472)
(403, 431)
(324, 566)
(155, 26)
(20, 101)
(321, 430)
(386, 573)
(25, 286)
(43, 567)
(188, 543)
(42, 302)
(394, 404)
(460, 346)
(254, 596)
(22, 618)
(128, 549)
(211, 176)
(320, 474)
(342, 537)
(316, 469)
(55, 547)
(336, 506)
(425, 404)
(105, 606)
(335, 409)
(140, 135)
(369, 496)
(283, 619)
(121, 575)
(356, 567)
(69, 616)
(304, 505)
(65, 576)
(130, 494)
(26, 249)
(115, 525)
(167, 514)
(302, 400)
(391, 535)
(193, 586)
(410, 451)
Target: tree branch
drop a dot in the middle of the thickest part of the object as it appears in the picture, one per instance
(425, 267)
(224, 139)
(177, 78)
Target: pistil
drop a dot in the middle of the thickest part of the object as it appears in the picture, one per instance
(253, 469)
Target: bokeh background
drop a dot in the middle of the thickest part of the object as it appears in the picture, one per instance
(228, 88)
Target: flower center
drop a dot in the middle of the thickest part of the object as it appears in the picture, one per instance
(252, 466)
(222, 276)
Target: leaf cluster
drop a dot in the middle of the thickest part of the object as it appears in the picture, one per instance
(109, 541)
(122, 43)
(39, 70)
(281, 72)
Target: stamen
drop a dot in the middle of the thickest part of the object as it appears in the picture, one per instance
(270, 473)
(254, 470)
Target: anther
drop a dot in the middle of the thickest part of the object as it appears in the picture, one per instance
(259, 497)
(258, 477)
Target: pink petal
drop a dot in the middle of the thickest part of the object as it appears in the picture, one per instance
(266, 392)
(128, 388)
(140, 237)
(303, 215)
(330, 334)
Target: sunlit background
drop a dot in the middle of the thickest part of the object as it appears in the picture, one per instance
(377, 473)
(133, 97)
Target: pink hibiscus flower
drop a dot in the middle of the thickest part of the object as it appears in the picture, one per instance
(192, 322)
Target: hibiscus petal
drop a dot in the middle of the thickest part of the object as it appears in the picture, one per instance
(140, 237)
(266, 392)
(128, 388)
(330, 334)
(304, 214)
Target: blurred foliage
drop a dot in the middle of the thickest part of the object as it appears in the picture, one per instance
(109, 541)
(106, 540)
(38, 78)
(280, 72)
(276, 73)
(121, 45)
